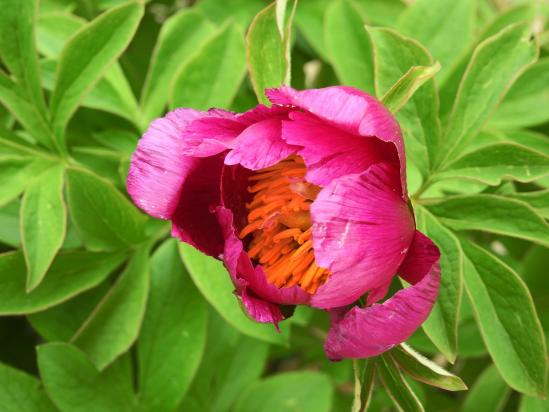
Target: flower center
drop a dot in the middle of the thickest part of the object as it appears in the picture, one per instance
(279, 222)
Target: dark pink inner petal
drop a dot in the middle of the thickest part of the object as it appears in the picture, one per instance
(260, 146)
(348, 109)
(421, 257)
(330, 152)
(193, 219)
(234, 193)
(261, 310)
(370, 331)
(362, 229)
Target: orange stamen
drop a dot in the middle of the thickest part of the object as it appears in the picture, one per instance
(279, 224)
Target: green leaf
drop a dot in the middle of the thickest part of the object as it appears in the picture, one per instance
(496, 162)
(349, 46)
(43, 223)
(74, 384)
(173, 334)
(246, 365)
(54, 30)
(180, 37)
(22, 392)
(492, 213)
(87, 55)
(17, 49)
(507, 320)
(112, 92)
(9, 224)
(448, 91)
(494, 66)
(25, 112)
(292, 391)
(397, 388)
(241, 11)
(60, 323)
(102, 215)
(120, 140)
(539, 200)
(528, 138)
(70, 274)
(489, 393)
(531, 404)
(211, 78)
(106, 163)
(20, 145)
(114, 324)
(213, 281)
(309, 19)
(445, 27)
(527, 103)
(424, 370)
(442, 324)
(364, 374)
(381, 12)
(56, 6)
(395, 57)
(17, 173)
(402, 91)
(267, 52)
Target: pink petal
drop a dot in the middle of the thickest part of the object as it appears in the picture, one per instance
(330, 152)
(370, 331)
(211, 135)
(157, 168)
(169, 185)
(376, 294)
(348, 109)
(260, 146)
(245, 275)
(362, 229)
(261, 310)
(261, 112)
(421, 257)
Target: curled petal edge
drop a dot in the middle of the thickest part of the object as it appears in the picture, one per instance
(370, 331)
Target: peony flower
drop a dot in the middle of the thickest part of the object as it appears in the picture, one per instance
(306, 204)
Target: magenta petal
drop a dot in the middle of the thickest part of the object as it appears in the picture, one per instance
(243, 273)
(211, 135)
(349, 109)
(157, 167)
(330, 152)
(362, 230)
(376, 294)
(259, 309)
(423, 254)
(370, 331)
(260, 146)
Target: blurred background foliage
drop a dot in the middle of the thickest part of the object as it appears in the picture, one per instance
(101, 311)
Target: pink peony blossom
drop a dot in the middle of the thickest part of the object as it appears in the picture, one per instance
(305, 202)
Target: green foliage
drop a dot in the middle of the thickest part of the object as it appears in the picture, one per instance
(22, 392)
(268, 51)
(210, 277)
(94, 46)
(173, 334)
(101, 311)
(349, 48)
(212, 77)
(314, 393)
(43, 223)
